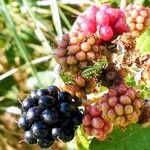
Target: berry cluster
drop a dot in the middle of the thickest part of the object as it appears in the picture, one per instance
(94, 124)
(77, 50)
(138, 18)
(121, 105)
(81, 87)
(104, 20)
(46, 116)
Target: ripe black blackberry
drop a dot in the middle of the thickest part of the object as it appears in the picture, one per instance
(47, 114)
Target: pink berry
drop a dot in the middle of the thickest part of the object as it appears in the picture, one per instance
(105, 6)
(88, 109)
(87, 120)
(120, 26)
(98, 132)
(97, 122)
(89, 26)
(106, 33)
(113, 15)
(94, 111)
(102, 18)
(88, 130)
(121, 14)
(80, 19)
(91, 12)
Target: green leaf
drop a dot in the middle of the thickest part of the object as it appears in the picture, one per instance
(8, 102)
(143, 41)
(133, 138)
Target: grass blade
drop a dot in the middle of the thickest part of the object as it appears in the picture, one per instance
(65, 19)
(18, 41)
(37, 30)
(56, 17)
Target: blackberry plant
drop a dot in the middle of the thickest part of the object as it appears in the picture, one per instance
(95, 60)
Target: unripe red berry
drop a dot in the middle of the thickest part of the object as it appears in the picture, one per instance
(113, 14)
(122, 89)
(101, 137)
(112, 92)
(112, 100)
(131, 94)
(60, 52)
(80, 81)
(108, 127)
(73, 34)
(62, 44)
(97, 122)
(98, 132)
(88, 130)
(81, 56)
(137, 104)
(87, 120)
(66, 37)
(125, 100)
(71, 60)
(119, 109)
(128, 109)
(105, 7)
(95, 48)
(85, 47)
(74, 40)
(102, 18)
(105, 97)
(133, 118)
(88, 26)
(105, 106)
(106, 33)
(73, 49)
(81, 36)
(91, 55)
(88, 109)
(121, 120)
(91, 40)
(94, 111)
(111, 114)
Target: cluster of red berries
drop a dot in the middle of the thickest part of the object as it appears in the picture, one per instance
(104, 20)
(121, 105)
(81, 87)
(138, 18)
(94, 124)
(77, 50)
